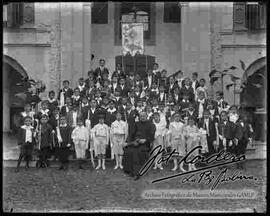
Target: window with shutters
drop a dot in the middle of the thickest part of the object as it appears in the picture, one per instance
(100, 13)
(249, 16)
(19, 14)
(172, 12)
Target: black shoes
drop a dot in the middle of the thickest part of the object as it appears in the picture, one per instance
(137, 177)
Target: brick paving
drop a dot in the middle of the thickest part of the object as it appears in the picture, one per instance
(52, 190)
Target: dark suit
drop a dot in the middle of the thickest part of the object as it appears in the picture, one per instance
(26, 148)
(177, 100)
(170, 88)
(130, 118)
(228, 131)
(161, 99)
(67, 93)
(136, 156)
(181, 83)
(94, 116)
(119, 74)
(124, 91)
(211, 135)
(197, 105)
(243, 134)
(99, 73)
(187, 91)
(148, 83)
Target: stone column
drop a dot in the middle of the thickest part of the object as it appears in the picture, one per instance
(196, 46)
(87, 52)
(6, 102)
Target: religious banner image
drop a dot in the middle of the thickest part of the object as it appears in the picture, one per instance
(132, 38)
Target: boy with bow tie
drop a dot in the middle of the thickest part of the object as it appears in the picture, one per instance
(63, 134)
(44, 110)
(209, 125)
(26, 141)
(52, 101)
(98, 74)
(76, 97)
(65, 92)
(201, 104)
(221, 104)
(82, 86)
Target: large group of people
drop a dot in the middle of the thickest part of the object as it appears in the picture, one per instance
(131, 115)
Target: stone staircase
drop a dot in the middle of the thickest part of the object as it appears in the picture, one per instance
(256, 150)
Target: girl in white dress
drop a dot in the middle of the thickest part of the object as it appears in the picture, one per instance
(80, 137)
(191, 136)
(159, 136)
(118, 136)
(175, 136)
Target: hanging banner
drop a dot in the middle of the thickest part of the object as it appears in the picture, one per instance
(132, 38)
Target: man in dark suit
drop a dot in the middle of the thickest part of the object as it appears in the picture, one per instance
(226, 131)
(171, 85)
(66, 91)
(98, 74)
(118, 72)
(163, 79)
(201, 104)
(124, 90)
(149, 80)
(136, 153)
(130, 116)
(90, 77)
(187, 89)
(94, 113)
(179, 78)
(156, 73)
(208, 125)
(162, 94)
(176, 95)
(244, 134)
(194, 83)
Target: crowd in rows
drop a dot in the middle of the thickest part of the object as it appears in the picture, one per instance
(124, 110)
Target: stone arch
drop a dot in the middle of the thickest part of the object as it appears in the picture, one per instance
(14, 64)
(255, 74)
(13, 73)
(254, 96)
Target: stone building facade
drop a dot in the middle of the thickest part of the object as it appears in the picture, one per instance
(56, 40)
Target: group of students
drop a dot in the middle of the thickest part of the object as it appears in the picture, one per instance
(102, 112)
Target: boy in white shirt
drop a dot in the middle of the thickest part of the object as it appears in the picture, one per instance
(100, 133)
(118, 135)
(159, 136)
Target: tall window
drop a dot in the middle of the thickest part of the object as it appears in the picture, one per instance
(140, 12)
(249, 16)
(136, 12)
(18, 14)
(100, 13)
(172, 12)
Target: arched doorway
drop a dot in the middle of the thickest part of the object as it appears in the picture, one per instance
(13, 73)
(253, 97)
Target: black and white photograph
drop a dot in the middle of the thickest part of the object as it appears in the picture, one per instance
(134, 107)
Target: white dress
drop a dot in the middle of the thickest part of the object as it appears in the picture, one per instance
(176, 137)
(80, 137)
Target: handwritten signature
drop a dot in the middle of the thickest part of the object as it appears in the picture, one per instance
(223, 157)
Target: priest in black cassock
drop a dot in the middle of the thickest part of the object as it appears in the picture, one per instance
(136, 152)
